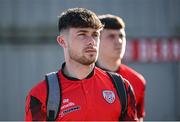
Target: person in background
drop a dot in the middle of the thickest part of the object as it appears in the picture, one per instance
(87, 91)
(111, 52)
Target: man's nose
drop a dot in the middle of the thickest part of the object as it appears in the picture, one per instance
(91, 40)
(118, 41)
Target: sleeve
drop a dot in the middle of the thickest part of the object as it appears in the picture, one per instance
(131, 112)
(140, 105)
(34, 109)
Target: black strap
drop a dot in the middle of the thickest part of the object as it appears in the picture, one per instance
(53, 95)
(121, 91)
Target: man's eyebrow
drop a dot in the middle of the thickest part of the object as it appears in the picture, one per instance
(82, 31)
(96, 32)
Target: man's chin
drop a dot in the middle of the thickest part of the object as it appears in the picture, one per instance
(89, 62)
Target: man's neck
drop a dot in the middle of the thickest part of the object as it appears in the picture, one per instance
(109, 64)
(77, 70)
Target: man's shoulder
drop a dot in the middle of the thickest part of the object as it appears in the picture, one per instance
(99, 71)
(38, 89)
(132, 73)
(102, 74)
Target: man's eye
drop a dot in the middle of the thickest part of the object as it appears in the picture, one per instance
(95, 35)
(120, 36)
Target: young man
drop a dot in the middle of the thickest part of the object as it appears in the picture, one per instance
(111, 52)
(87, 91)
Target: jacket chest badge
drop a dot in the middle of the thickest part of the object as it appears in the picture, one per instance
(109, 96)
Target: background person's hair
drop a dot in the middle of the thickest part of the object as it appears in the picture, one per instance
(112, 22)
(78, 17)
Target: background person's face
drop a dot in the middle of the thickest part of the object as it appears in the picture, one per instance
(112, 43)
(83, 45)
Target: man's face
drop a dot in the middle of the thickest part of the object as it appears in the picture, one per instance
(112, 43)
(83, 45)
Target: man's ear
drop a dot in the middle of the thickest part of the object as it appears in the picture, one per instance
(61, 41)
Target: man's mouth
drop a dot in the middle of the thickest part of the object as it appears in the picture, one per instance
(90, 50)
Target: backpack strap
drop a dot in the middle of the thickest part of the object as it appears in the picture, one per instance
(53, 101)
(119, 84)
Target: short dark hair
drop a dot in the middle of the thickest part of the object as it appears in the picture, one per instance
(78, 17)
(112, 22)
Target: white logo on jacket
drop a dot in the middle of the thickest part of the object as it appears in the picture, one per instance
(109, 96)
